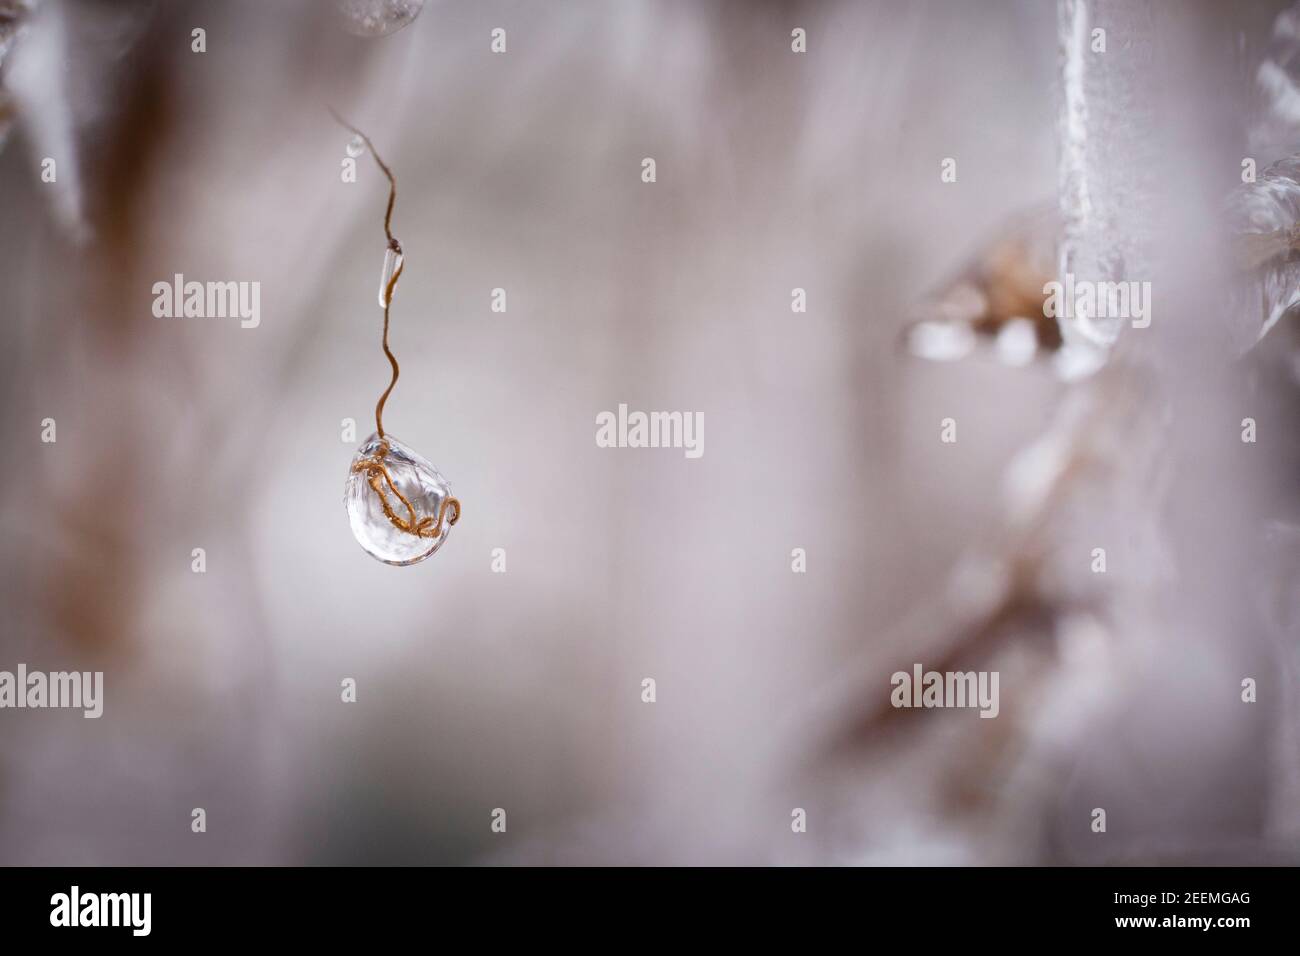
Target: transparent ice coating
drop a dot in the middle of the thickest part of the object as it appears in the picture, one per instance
(417, 480)
(392, 259)
(378, 18)
(1108, 158)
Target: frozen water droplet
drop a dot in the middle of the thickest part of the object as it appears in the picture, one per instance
(392, 259)
(940, 341)
(356, 146)
(377, 18)
(397, 502)
(1017, 342)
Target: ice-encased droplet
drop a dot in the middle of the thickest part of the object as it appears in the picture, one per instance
(392, 259)
(386, 536)
(377, 18)
(356, 146)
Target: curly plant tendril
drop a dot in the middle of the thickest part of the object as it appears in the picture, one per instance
(374, 467)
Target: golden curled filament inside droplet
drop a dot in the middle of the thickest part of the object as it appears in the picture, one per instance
(378, 476)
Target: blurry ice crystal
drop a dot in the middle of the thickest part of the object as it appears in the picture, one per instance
(378, 18)
(1108, 167)
(356, 146)
(1077, 360)
(1265, 218)
(1276, 127)
(395, 510)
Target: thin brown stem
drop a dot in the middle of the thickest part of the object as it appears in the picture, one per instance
(388, 303)
(394, 245)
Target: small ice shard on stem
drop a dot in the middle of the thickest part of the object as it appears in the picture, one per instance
(392, 262)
